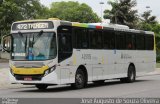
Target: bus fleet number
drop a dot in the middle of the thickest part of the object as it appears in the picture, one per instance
(86, 56)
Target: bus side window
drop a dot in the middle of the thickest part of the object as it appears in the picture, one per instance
(108, 39)
(149, 42)
(140, 44)
(82, 39)
(96, 39)
(92, 40)
(120, 40)
(133, 41)
(129, 43)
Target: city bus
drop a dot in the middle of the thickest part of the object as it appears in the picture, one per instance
(56, 52)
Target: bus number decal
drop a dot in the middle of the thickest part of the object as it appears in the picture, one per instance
(86, 56)
(125, 56)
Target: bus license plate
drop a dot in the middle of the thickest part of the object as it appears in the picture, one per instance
(28, 78)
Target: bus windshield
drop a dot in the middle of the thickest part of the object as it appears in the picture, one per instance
(34, 46)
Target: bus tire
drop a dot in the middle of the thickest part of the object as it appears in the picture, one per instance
(131, 76)
(41, 86)
(80, 80)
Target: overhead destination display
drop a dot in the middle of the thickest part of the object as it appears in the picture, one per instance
(33, 25)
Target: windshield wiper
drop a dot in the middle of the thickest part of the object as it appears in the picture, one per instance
(20, 34)
(39, 35)
(26, 44)
(25, 41)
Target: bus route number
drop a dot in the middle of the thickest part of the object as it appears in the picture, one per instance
(86, 56)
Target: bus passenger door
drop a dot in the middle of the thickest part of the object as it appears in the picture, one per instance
(64, 52)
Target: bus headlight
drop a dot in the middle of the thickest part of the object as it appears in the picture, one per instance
(51, 69)
(46, 72)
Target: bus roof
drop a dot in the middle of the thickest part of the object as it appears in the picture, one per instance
(107, 26)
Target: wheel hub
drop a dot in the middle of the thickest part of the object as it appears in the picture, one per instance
(79, 79)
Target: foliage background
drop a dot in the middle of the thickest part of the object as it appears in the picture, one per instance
(122, 12)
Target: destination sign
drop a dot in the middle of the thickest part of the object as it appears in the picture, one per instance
(32, 25)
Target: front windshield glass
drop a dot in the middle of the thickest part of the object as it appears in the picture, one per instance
(34, 46)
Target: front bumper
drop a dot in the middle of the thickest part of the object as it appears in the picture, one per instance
(51, 78)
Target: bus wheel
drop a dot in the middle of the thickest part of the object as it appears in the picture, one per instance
(80, 80)
(99, 82)
(41, 86)
(131, 76)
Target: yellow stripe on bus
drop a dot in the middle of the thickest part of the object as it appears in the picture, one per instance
(74, 60)
(29, 71)
(102, 59)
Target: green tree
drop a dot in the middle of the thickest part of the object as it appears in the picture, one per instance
(147, 18)
(156, 29)
(1, 1)
(122, 12)
(148, 22)
(73, 11)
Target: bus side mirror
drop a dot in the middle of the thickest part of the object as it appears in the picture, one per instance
(6, 43)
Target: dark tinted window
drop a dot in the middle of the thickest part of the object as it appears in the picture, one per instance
(120, 40)
(108, 39)
(95, 39)
(130, 41)
(140, 43)
(149, 42)
(82, 38)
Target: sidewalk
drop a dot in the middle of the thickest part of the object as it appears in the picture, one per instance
(4, 79)
(4, 60)
(156, 72)
(5, 82)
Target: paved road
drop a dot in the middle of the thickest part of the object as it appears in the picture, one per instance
(147, 86)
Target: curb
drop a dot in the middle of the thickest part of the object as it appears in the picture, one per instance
(156, 72)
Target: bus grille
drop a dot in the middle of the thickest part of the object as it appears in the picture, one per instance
(34, 77)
